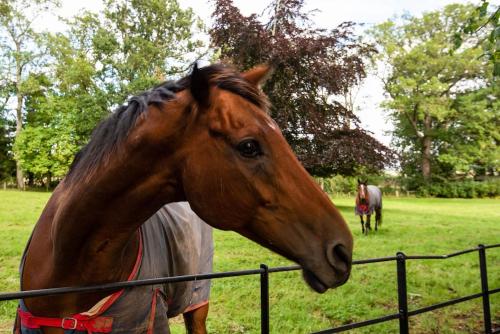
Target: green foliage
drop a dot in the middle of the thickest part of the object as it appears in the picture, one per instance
(94, 66)
(62, 111)
(47, 151)
(461, 189)
(79, 93)
(342, 184)
(7, 164)
(470, 141)
(140, 43)
(443, 101)
(21, 56)
(339, 184)
(477, 24)
(390, 185)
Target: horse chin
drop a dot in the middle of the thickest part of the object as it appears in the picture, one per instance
(317, 284)
(313, 281)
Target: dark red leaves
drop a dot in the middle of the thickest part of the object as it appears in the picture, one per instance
(311, 65)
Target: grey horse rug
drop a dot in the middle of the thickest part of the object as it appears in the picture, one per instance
(174, 241)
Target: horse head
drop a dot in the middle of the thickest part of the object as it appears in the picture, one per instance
(238, 173)
(363, 195)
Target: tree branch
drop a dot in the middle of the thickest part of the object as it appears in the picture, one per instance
(412, 120)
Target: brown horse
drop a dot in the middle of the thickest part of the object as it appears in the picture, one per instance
(206, 139)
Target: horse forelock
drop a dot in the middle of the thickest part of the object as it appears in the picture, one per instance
(239, 86)
(226, 78)
(363, 193)
(110, 132)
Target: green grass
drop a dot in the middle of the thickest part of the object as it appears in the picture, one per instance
(18, 213)
(414, 226)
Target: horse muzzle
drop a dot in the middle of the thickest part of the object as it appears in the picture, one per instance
(340, 263)
(340, 259)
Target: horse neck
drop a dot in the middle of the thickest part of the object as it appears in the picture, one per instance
(115, 202)
(92, 224)
(139, 178)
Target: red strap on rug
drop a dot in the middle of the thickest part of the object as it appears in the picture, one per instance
(80, 322)
(77, 322)
(364, 208)
(152, 314)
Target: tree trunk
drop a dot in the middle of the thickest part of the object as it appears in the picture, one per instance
(426, 148)
(19, 116)
(19, 128)
(426, 157)
(49, 181)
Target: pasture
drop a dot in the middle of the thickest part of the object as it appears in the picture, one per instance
(412, 225)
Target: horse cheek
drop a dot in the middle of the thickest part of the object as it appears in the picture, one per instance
(215, 189)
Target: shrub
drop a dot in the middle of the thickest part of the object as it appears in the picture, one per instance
(461, 189)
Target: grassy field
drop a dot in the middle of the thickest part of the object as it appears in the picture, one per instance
(414, 226)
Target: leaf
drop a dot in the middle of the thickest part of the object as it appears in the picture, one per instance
(483, 9)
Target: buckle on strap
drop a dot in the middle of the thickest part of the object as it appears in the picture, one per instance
(65, 325)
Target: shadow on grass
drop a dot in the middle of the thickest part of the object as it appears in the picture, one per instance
(381, 233)
(345, 207)
(385, 211)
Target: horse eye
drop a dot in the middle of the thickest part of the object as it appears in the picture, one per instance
(249, 148)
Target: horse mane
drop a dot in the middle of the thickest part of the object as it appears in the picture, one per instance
(111, 132)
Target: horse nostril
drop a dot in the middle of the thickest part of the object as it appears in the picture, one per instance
(340, 258)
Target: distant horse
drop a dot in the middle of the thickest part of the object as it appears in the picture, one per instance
(368, 200)
(206, 139)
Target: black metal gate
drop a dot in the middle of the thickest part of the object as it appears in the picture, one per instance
(403, 314)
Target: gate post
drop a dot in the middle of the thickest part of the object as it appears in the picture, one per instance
(264, 299)
(484, 289)
(402, 293)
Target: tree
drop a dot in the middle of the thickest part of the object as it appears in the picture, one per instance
(471, 142)
(94, 66)
(480, 20)
(52, 134)
(140, 43)
(426, 83)
(46, 152)
(7, 163)
(19, 52)
(311, 66)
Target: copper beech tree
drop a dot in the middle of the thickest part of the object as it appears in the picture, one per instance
(312, 66)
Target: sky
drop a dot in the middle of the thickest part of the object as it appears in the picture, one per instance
(329, 14)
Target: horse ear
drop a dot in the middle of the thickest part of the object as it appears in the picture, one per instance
(359, 181)
(200, 85)
(258, 75)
